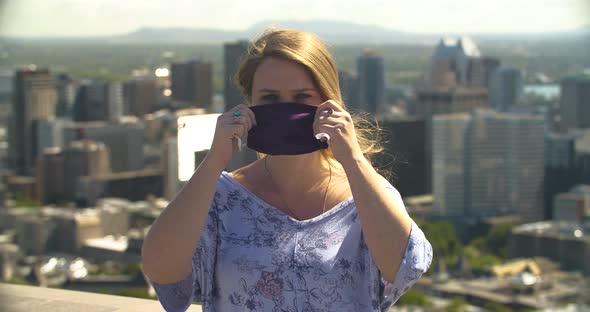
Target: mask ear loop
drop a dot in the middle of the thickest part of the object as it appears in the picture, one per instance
(324, 137)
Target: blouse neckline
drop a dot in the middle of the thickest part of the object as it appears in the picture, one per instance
(341, 205)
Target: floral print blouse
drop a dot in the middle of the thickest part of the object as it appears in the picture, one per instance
(253, 257)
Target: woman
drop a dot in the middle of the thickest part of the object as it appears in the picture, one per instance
(284, 233)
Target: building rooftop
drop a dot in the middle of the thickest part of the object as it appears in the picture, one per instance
(449, 47)
(109, 242)
(561, 229)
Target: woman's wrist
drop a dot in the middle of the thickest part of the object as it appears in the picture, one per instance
(214, 160)
(352, 161)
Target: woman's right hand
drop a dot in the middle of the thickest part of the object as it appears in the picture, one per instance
(225, 142)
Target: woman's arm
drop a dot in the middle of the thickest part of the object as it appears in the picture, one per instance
(171, 241)
(385, 222)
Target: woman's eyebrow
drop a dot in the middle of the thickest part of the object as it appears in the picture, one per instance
(294, 90)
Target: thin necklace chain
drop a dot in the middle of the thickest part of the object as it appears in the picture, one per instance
(281, 196)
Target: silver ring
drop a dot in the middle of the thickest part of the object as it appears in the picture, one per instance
(324, 137)
(329, 111)
(236, 119)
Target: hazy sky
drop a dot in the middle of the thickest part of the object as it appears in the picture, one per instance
(104, 17)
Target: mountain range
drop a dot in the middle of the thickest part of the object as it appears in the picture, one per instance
(330, 31)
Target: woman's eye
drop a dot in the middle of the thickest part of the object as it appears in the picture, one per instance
(303, 96)
(269, 97)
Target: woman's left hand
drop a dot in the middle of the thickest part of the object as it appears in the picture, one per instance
(332, 119)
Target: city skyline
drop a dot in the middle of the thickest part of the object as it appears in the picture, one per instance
(54, 18)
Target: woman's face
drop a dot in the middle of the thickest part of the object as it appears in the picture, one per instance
(279, 80)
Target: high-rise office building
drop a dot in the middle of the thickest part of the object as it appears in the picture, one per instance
(506, 165)
(192, 83)
(34, 234)
(455, 81)
(455, 60)
(233, 52)
(98, 101)
(575, 102)
(6, 85)
(489, 65)
(50, 176)
(124, 139)
(49, 133)
(34, 98)
(371, 83)
(140, 96)
(449, 186)
(505, 88)
(404, 155)
(495, 161)
(348, 87)
(67, 89)
(560, 167)
(83, 158)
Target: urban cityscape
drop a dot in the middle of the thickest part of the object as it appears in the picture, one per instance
(490, 155)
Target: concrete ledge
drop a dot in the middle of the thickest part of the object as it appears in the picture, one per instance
(20, 298)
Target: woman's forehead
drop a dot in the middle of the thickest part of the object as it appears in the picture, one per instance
(280, 75)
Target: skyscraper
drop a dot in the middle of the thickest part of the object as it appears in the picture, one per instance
(505, 88)
(35, 98)
(449, 186)
(488, 163)
(348, 87)
(233, 52)
(67, 88)
(140, 96)
(505, 169)
(192, 84)
(560, 167)
(6, 81)
(83, 158)
(575, 102)
(124, 139)
(98, 101)
(371, 83)
(455, 79)
(405, 155)
(50, 176)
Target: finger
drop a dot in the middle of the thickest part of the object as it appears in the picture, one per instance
(245, 120)
(239, 108)
(332, 130)
(242, 120)
(330, 104)
(250, 113)
(329, 120)
(238, 130)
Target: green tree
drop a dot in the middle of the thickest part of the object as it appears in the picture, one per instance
(457, 304)
(415, 297)
(21, 201)
(444, 240)
(497, 307)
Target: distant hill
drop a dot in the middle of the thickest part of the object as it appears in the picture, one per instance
(331, 31)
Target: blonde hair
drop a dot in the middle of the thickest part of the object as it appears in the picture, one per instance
(307, 49)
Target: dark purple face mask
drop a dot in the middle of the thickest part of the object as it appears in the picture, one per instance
(284, 129)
